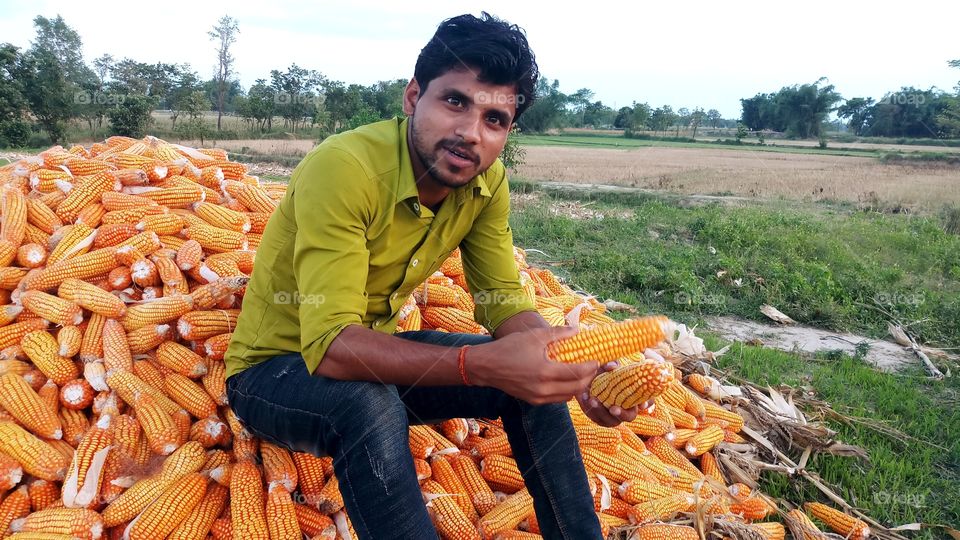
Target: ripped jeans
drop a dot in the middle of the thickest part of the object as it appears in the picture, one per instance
(363, 426)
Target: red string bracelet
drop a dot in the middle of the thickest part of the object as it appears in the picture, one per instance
(462, 362)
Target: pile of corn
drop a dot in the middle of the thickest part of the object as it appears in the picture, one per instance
(122, 271)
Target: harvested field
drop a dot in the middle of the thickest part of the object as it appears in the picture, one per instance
(806, 177)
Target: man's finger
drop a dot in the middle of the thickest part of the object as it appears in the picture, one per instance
(628, 415)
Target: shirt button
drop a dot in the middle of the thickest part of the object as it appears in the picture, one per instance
(377, 322)
(415, 262)
(416, 207)
(393, 296)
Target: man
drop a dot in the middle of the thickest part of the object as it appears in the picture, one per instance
(369, 215)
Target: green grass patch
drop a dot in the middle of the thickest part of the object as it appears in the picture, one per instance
(908, 479)
(825, 266)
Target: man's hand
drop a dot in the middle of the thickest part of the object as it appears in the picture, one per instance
(518, 364)
(600, 414)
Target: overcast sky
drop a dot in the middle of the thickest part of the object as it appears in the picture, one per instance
(681, 53)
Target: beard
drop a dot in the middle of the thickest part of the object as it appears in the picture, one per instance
(430, 154)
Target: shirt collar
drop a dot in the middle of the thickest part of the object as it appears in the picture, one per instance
(407, 186)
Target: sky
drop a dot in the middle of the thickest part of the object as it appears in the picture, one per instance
(681, 53)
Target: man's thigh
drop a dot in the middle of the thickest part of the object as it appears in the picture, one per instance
(282, 403)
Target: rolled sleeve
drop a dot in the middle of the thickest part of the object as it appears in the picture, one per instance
(334, 202)
(489, 265)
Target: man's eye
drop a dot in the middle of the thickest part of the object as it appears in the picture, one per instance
(454, 101)
(494, 119)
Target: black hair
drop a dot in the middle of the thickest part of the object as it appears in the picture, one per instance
(496, 48)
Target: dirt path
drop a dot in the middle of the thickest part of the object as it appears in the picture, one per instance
(885, 355)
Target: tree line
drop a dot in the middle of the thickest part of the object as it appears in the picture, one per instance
(47, 88)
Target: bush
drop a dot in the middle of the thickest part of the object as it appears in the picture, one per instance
(131, 117)
(14, 133)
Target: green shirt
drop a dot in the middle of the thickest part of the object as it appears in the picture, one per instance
(350, 241)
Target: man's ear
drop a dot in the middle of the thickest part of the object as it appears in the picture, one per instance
(410, 96)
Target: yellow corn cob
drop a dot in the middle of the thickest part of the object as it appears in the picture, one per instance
(648, 426)
(752, 508)
(71, 241)
(91, 346)
(631, 385)
(209, 432)
(665, 531)
(189, 395)
(114, 234)
(187, 459)
(221, 217)
(710, 467)
(310, 476)
(23, 403)
(734, 421)
(448, 517)
(199, 325)
(16, 505)
(72, 522)
(181, 360)
(10, 473)
(42, 217)
(85, 266)
(161, 432)
(113, 201)
(330, 499)
(10, 277)
(34, 455)
(247, 501)
(52, 308)
(75, 425)
(198, 523)
(311, 521)
(609, 343)
(660, 509)
(31, 255)
(506, 515)
(605, 439)
(159, 311)
(8, 252)
(177, 196)
(166, 224)
(83, 481)
(451, 320)
(91, 215)
(134, 500)
(85, 193)
(671, 456)
(704, 440)
(838, 521)
(679, 418)
(189, 255)
(255, 199)
(215, 239)
(176, 503)
(796, 518)
(278, 466)
(477, 489)
(69, 339)
(280, 514)
(43, 350)
(42, 493)
(13, 215)
(770, 530)
(148, 337)
(502, 472)
(639, 491)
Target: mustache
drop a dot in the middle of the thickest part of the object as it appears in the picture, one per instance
(457, 146)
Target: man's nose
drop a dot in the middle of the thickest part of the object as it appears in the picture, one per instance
(469, 129)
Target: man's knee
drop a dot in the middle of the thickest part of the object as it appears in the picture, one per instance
(368, 411)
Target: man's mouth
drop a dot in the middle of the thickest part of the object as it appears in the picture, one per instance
(461, 155)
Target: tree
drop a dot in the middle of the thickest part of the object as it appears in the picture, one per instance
(296, 94)
(598, 115)
(14, 130)
(546, 111)
(193, 106)
(131, 116)
(580, 100)
(662, 118)
(859, 111)
(54, 76)
(948, 121)
(181, 96)
(225, 35)
(696, 118)
(714, 117)
(682, 119)
(623, 118)
(802, 110)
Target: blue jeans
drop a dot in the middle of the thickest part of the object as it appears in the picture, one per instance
(363, 426)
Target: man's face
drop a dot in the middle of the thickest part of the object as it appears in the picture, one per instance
(459, 124)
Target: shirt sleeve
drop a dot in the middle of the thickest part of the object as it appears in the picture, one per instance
(334, 202)
(491, 271)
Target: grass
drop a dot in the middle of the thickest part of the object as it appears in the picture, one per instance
(816, 265)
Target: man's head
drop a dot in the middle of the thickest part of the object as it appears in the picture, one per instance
(471, 82)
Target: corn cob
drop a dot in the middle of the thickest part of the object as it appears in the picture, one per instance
(280, 514)
(82, 483)
(799, 522)
(10, 277)
(506, 515)
(247, 501)
(330, 499)
(16, 505)
(448, 517)
(609, 343)
(176, 503)
(215, 239)
(148, 337)
(85, 266)
(838, 521)
(629, 386)
(34, 455)
(75, 425)
(52, 308)
(113, 201)
(451, 320)
(198, 325)
(189, 395)
(43, 350)
(72, 522)
(31, 256)
(159, 311)
(660, 509)
(43, 494)
(477, 489)
(310, 476)
(23, 403)
(199, 522)
(181, 360)
(13, 215)
(69, 339)
(278, 466)
(86, 192)
(665, 531)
